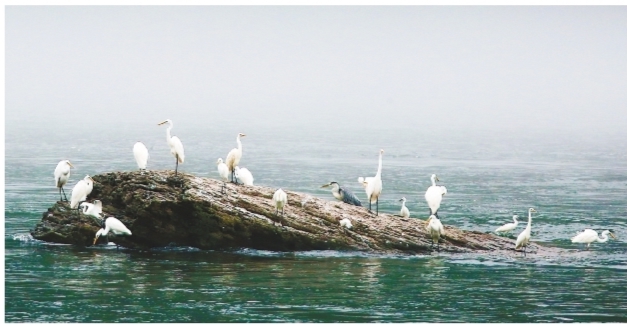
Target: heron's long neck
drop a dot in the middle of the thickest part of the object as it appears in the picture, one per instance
(167, 132)
(603, 238)
(515, 220)
(106, 230)
(403, 203)
(239, 144)
(380, 164)
(529, 222)
(432, 180)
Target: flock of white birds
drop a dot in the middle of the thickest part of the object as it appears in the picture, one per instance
(373, 187)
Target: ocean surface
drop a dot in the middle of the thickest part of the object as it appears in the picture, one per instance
(572, 180)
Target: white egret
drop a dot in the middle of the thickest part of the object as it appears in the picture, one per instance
(434, 195)
(61, 176)
(523, 239)
(244, 175)
(279, 199)
(508, 226)
(373, 185)
(80, 191)
(92, 209)
(404, 209)
(176, 146)
(346, 223)
(589, 236)
(343, 194)
(223, 170)
(234, 156)
(113, 225)
(436, 229)
(141, 155)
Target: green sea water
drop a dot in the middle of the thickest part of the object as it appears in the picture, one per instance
(574, 183)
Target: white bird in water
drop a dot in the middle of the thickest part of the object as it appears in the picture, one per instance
(523, 239)
(589, 236)
(141, 155)
(346, 223)
(223, 170)
(436, 229)
(92, 209)
(343, 194)
(176, 146)
(244, 175)
(404, 209)
(61, 176)
(279, 200)
(434, 195)
(234, 156)
(113, 225)
(80, 191)
(373, 185)
(508, 226)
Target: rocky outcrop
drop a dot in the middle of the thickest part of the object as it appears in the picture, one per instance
(163, 210)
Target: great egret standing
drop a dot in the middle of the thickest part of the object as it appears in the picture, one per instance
(61, 176)
(113, 225)
(176, 146)
(589, 236)
(92, 209)
(343, 194)
(523, 239)
(404, 209)
(279, 199)
(244, 175)
(373, 185)
(436, 229)
(434, 195)
(80, 191)
(508, 226)
(141, 155)
(223, 170)
(234, 156)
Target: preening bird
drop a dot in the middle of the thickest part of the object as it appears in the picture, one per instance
(223, 170)
(373, 185)
(508, 226)
(234, 156)
(141, 155)
(346, 223)
(80, 191)
(244, 175)
(523, 239)
(436, 229)
(176, 146)
(343, 194)
(279, 199)
(61, 176)
(434, 195)
(92, 209)
(112, 225)
(404, 209)
(589, 236)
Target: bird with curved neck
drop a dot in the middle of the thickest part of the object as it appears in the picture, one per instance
(589, 236)
(404, 209)
(523, 239)
(373, 185)
(508, 226)
(434, 195)
(176, 146)
(234, 156)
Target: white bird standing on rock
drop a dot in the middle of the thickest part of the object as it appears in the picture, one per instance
(61, 176)
(373, 185)
(176, 146)
(434, 195)
(589, 236)
(223, 170)
(112, 225)
(346, 223)
(404, 209)
(279, 200)
(81, 190)
(523, 239)
(508, 226)
(92, 209)
(244, 175)
(436, 229)
(141, 155)
(234, 156)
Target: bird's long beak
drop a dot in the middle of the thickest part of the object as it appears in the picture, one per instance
(242, 135)
(437, 178)
(430, 217)
(69, 163)
(164, 122)
(95, 239)
(400, 200)
(611, 234)
(325, 185)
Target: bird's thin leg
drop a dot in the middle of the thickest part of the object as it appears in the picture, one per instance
(223, 186)
(177, 165)
(377, 207)
(60, 197)
(370, 204)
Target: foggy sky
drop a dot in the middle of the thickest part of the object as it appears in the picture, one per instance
(447, 67)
